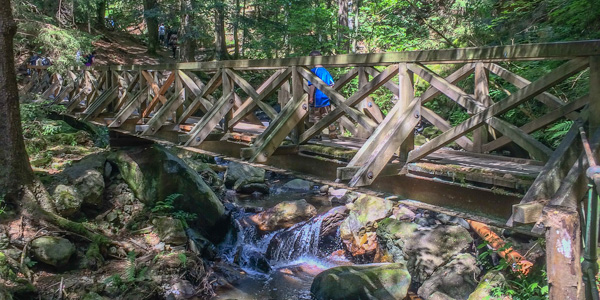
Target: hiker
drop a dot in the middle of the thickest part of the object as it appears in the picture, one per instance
(318, 101)
(32, 62)
(173, 44)
(161, 33)
(89, 59)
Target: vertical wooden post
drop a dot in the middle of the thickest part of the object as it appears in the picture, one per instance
(368, 106)
(283, 95)
(227, 88)
(563, 252)
(144, 85)
(407, 93)
(297, 93)
(182, 96)
(482, 95)
(594, 93)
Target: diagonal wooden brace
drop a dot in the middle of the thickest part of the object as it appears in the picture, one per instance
(101, 103)
(210, 120)
(266, 144)
(163, 113)
(128, 109)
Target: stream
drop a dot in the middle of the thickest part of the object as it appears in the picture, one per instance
(279, 264)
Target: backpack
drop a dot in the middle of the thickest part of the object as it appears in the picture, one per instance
(45, 61)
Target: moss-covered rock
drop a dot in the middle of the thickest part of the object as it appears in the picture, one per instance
(424, 249)
(298, 185)
(66, 200)
(51, 250)
(373, 281)
(455, 279)
(238, 174)
(87, 177)
(153, 173)
(170, 231)
(488, 282)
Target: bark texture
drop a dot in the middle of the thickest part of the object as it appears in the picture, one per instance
(220, 41)
(150, 7)
(15, 170)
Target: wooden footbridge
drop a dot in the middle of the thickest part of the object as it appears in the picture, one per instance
(213, 106)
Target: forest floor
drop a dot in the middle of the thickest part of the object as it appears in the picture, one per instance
(120, 48)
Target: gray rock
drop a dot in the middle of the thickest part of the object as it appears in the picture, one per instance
(455, 279)
(238, 174)
(87, 177)
(372, 281)
(54, 251)
(153, 173)
(488, 282)
(299, 185)
(424, 249)
(252, 188)
(170, 231)
(403, 213)
(208, 174)
(107, 170)
(181, 289)
(66, 200)
(442, 296)
(324, 189)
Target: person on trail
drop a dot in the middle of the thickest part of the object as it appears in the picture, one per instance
(89, 59)
(161, 33)
(173, 44)
(318, 101)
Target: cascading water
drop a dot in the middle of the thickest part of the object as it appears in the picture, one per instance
(300, 240)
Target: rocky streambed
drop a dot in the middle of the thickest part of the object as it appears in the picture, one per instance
(187, 226)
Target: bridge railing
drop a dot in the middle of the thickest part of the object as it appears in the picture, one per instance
(198, 99)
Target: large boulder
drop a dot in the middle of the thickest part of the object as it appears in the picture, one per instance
(372, 281)
(490, 281)
(357, 231)
(153, 173)
(87, 177)
(284, 215)
(170, 231)
(208, 174)
(455, 279)
(54, 251)
(424, 249)
(66, 200)
(239, 175)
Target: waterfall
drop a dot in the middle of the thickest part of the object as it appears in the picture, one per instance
(299, 240)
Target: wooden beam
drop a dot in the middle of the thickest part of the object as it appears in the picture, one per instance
(535, 148)
(444, 125)
(482, 96)
(540, 122)
(452, 91)
(558, 50)
(368, 106)
(210, 120)
(338, 100)
(270, 86)
(161, 116)
(101, 103)
(210, 86)
(405, 100)
(562, 72)
(527, 213)
(248, 89)
(364, 91)
(594, 62)
(281, 127)
(128, 109)
(159, 95)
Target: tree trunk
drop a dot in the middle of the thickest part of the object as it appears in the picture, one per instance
(356, 24)
(244, 31)
(342, 38)
(220, 41)
(188, 42)
(235, 30)
(15, 170)
(100, 13)
(150, 7)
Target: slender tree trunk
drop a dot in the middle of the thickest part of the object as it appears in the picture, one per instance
(342, 38)
(244, 31)
(356, 24)
(15, 171)
(100, 13)
(235, 29)
(150, 7)
(188, 42)
(220, 41)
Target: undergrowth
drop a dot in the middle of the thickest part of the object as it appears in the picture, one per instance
(166, 207)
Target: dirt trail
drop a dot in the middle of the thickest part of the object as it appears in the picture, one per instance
(119, 48)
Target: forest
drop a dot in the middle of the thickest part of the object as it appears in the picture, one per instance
(82, 220)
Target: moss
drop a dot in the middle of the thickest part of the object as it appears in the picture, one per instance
(337, 152)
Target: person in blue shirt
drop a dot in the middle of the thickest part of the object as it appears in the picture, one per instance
(318, 101)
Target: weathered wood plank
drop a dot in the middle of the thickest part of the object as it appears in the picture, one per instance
(482, 96)
(210, 86)
(559, 50)
(540, 122)
(405, 99)
(368, 106)
(161, 116)
(271, 85)
(93, 110)
(128, 109)
(248, 89)
(535, 148)
(210, 120)
(564, 71)
(160, 95)
(594, 62)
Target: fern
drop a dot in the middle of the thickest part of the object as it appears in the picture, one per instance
(556, 133)
(165, 206)
(130, 270)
